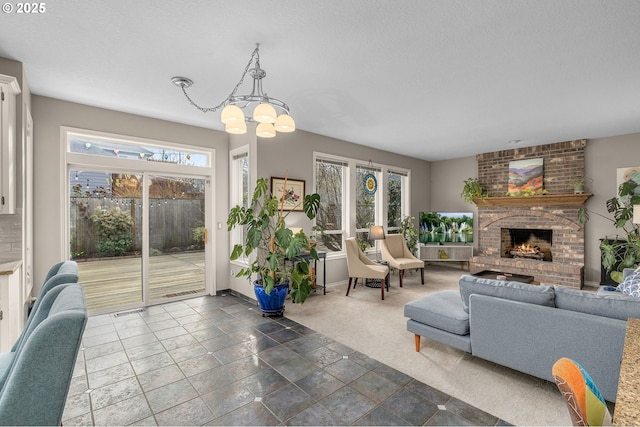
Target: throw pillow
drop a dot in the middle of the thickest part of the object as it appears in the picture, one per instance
(631, 285)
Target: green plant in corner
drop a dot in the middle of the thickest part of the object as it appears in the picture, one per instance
(274, 244)
(472, 190)
(410, 233)
(620, 253)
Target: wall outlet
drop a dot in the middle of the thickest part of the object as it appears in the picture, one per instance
(233, 272)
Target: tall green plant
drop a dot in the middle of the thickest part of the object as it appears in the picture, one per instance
(615, 253)
(410, 233)
(274, 244)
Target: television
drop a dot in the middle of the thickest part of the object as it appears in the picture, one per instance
(445, 227)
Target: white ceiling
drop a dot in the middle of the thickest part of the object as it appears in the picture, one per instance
(425, 78)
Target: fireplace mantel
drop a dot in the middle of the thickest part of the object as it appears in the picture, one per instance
(529, 201)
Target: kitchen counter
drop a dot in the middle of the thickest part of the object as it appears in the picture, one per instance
(627, 409)
(8, 267)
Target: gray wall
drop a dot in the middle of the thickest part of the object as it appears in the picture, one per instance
(294, 152)
(602, 157)
(50, 114)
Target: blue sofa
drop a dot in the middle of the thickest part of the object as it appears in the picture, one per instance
(527, 327)
(35, 378)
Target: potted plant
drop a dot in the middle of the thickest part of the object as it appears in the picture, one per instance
(276, 265)
(578, 185)
(472, 190)
(618, 254)
(410, 233)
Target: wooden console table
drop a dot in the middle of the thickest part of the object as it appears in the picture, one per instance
(627, 409)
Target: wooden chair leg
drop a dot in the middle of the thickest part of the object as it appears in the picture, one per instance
(400, 274)
(355, 282)
(417, 338)
(382, 288)
(422, 275)
(349, 286)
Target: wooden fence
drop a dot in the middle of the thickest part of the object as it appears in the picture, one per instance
(171, 223)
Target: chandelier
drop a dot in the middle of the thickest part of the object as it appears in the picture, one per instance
(271, 114)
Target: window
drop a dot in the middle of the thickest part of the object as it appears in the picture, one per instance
(239, 189)
(330, 185)
(397, 199)
(111, 147)
(348, 210)
(368, 205)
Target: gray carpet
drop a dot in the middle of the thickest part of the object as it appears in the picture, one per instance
(378, 328)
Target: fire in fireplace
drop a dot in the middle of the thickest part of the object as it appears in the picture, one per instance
(526, 243)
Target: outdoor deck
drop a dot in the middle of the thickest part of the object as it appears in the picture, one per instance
(116, 282)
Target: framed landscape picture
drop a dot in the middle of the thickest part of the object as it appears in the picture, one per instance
(292, 194)
(526, 176)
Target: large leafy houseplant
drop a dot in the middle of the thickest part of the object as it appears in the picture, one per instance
(274, 244)
(618, 254)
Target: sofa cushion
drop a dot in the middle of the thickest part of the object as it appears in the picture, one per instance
(612, 306)
(442, 310)
(631, 284)
(523, 292)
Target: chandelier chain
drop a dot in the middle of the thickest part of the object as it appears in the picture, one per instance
(256, 53)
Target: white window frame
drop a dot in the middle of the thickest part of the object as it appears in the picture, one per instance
(377, 199)
(236, 195)
(405, 209)
(69, 160)
(349, 190)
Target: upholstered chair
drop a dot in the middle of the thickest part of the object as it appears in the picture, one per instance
(38, 375)
(360, 266)
(584, 401)
(60, 273)
(395, 251)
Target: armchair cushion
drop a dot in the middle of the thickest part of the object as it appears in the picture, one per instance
(395, 252)
(361, 266)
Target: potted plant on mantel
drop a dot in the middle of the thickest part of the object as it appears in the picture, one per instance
(275, 247)
(472, 189)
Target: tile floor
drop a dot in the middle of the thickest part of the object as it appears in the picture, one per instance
(217, 361)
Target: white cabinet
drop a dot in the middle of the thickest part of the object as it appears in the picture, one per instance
(460, 253)
(9, 89)
(12, 303)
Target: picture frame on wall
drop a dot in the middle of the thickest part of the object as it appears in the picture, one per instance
(293, 194)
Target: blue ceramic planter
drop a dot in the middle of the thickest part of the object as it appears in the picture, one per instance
(272, 303)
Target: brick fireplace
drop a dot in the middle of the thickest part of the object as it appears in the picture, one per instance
(550, 221)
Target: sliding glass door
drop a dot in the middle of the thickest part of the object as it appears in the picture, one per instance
(176, 237)
(105, 225)
(138, 214)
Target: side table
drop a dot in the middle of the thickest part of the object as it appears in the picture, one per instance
(375, 283)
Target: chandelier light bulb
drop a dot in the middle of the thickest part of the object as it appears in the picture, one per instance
(265, 130)
(264, 113)
(236, 128)
(285, 123)
(231, 113)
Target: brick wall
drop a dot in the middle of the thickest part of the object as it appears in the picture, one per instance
(563, 162)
